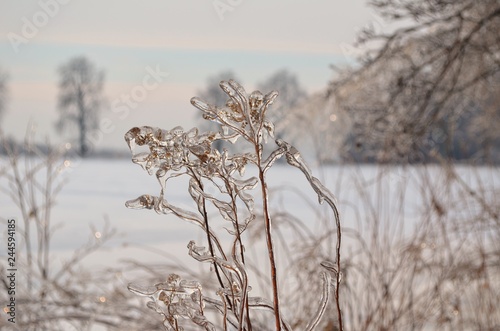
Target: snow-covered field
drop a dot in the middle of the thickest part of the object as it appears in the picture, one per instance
(394, 198)
(96, 191)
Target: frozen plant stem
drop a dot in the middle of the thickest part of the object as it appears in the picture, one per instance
(269, 237)
(171, 151)
(240, 242)
(294, 158)
(209, 239)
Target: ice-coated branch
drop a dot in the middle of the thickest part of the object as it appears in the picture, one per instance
(174, 153)
(176, 298)
(294, 158)
(325, 297)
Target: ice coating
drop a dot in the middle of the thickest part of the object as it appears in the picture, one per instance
(175, 299)
(218, 180)
(243, 114)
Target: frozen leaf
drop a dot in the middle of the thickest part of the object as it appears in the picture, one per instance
(201, 105)
(255, 100)
(234, 291)
(226, 87)
(166, 208)
(153, 306)
(247, 184)
(231, 138)
(330, 266)
(225, 209)
(193, 190)
(142, 290)
(200, 150)
(145, 201)
(294, 158)
(138, 136)
(332, 269)
(130, 138)
(269, 126)
(198, 250)
(177, 131)
(247, 199)
(240, 91)
(176, 299)
(269, 99)
(141, 159)
(260, 302)
(173, 280)
(190, 285)
(325, 297)
(203, 322)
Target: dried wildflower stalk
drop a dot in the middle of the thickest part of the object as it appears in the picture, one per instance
(174, 153)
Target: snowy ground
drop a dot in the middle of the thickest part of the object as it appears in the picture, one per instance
(96, 191)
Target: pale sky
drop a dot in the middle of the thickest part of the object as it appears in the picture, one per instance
(187, 39)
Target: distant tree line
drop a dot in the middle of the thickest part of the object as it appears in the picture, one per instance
(79, 102)
(428, 90)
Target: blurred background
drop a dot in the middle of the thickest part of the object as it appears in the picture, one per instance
(186, 42)
(393, 103)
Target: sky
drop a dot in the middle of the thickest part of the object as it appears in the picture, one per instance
(171, 46)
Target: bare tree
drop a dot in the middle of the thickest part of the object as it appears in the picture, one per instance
(430, 85)
(316, 123)
(80, 98)
(3, 91)
(291, 94)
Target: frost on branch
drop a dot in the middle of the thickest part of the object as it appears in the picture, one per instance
(217, 179)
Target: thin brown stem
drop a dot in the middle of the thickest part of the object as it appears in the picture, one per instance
(269, 237)
(209, 239)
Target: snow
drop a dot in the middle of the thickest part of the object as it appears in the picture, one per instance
(96, 191)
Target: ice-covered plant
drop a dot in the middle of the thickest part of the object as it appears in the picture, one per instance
(174, 153)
